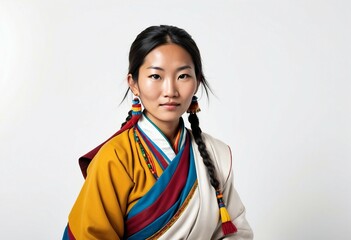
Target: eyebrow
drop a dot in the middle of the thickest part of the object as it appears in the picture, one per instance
(178, 69)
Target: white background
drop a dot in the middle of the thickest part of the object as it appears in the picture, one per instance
(281, 72)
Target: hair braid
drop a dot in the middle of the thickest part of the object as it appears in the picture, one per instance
(194, 122)
(128, 118)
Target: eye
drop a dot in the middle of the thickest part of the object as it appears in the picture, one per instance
(183, 76)
(155, 76)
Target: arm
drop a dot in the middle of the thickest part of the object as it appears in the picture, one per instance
(102, 203)
(236, 210)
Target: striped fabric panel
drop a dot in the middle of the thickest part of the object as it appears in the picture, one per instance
(168, 194)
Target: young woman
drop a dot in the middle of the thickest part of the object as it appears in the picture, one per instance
(154, 178)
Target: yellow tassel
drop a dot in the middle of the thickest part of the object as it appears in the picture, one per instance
(224, 215)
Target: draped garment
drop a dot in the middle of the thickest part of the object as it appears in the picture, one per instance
(121, 198)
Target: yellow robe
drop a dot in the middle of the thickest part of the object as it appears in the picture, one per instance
(117, 178)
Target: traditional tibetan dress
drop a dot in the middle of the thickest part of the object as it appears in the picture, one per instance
(139, 186)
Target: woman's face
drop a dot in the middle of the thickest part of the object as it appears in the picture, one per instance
(166, 84)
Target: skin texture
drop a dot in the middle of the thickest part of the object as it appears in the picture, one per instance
(166, 85)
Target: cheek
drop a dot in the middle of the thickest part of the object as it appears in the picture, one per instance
(191, 89)
(148, 90)
(147, 84)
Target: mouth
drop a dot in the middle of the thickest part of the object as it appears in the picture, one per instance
(170, 105)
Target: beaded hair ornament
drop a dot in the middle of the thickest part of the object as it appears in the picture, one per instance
(194, 106)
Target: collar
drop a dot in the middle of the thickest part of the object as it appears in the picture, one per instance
(157, 137)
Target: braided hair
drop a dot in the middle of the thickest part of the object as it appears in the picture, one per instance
(155, 36)
(196, 130)
(127, 118)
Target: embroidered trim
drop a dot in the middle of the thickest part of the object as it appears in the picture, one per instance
(176, 216)
(149, 162)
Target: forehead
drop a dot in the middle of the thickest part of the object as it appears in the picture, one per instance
(168, 55)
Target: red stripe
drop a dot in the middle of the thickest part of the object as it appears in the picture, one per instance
(166, 198)
(70, 234)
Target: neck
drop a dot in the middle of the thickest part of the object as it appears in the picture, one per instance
(169, 129)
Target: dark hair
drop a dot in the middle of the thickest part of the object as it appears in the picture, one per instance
(153, 37)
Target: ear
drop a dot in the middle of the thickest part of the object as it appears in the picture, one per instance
(133, 85)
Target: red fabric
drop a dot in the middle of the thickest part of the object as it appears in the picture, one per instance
(70, 234)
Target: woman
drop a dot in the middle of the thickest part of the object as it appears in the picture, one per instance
(155, 179)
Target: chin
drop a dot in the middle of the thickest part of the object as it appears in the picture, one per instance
(170, 117)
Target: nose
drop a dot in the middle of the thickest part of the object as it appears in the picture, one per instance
(170, 88)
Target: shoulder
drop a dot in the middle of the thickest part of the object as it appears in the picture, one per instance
(115, 151)
(221, 155)
(216, 144)
(119, 144)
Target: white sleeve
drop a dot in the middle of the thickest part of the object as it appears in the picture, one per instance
(235, 207)
(236, 211)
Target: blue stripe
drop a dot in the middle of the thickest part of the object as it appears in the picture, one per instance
(65, 234)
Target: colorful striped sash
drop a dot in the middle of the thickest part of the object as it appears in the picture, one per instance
(154, 210)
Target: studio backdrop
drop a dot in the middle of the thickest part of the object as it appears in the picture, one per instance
(280, 72)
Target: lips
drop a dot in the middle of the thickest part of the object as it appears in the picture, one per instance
(170, 104)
